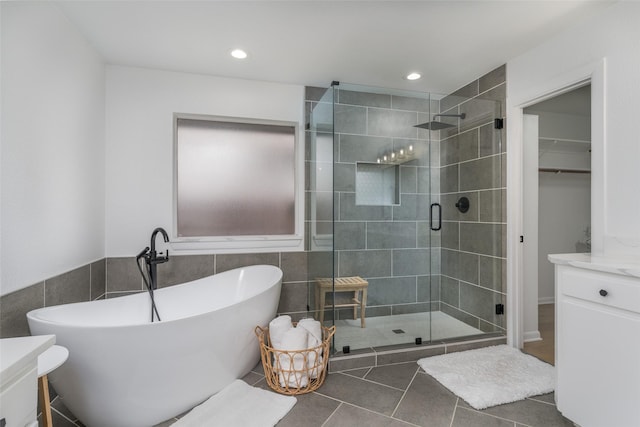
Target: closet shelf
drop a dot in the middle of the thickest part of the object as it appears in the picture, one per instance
(581, 141)
(560, 170)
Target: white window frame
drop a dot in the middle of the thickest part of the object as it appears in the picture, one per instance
(243, 244)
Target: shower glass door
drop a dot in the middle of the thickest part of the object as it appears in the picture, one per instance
(472, 195)
(382, 192)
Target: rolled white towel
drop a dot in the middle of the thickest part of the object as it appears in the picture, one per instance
(315, 331)
(314, 357)
(277, 328)
(291, 367)
(315, 364)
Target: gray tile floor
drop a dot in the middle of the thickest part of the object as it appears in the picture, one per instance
(392, 395)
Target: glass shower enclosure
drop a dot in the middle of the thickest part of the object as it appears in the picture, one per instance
(405, 198)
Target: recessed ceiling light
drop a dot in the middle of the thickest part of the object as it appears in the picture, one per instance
(413, 76)
(239, 54)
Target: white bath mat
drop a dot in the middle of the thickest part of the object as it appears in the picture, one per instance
(241, 405)
(492, 375)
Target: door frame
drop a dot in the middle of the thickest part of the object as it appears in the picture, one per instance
(530, 185)
(595, 74)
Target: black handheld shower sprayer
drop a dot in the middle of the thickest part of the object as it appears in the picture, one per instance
(152, 258)
(142, 253)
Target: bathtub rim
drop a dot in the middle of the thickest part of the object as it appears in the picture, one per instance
(34, 314)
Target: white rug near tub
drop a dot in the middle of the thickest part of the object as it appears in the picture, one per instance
(241, 405)
(491, 376)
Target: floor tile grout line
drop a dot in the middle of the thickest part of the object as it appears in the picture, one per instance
(64, 416)
(331, 415)
(370, 381)
(372, 411)
(355, 376)
(480, 411)
(259, 373)
(256, 382)
(352, 404)
(346, 371)
(382, 384)
(540, 401)
(404, 422)
(455, 409)
(405, 392)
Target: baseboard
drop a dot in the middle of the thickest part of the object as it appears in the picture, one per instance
(532, 336)
(546, 300)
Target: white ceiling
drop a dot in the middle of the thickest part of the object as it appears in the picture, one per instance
(314, 42)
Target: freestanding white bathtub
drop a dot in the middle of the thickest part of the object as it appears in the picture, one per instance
(124, 370)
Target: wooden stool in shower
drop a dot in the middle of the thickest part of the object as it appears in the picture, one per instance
(355, 284)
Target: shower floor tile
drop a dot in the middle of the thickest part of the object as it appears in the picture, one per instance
(383, 330)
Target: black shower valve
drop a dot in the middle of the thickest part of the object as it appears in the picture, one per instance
(463, 204)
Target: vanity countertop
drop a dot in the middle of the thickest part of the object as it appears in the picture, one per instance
(16, 353)
(615, 265)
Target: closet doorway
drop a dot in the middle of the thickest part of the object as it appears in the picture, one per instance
(557, 204)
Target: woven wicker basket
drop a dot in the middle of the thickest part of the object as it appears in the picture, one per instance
(295, 372)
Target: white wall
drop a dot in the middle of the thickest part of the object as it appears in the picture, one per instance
(140, 107)
(556, 125)
(52, 218)
(565, 201)
(613, 35)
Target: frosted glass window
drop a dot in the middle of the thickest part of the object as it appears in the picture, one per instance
(235, 178)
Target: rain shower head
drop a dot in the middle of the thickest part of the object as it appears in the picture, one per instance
(435, 125)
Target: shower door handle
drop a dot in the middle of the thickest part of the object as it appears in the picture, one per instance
(434, 228)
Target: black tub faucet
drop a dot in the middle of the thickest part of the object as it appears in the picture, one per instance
(153, 259)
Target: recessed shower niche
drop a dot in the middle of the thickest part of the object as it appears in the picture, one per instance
(377, 184)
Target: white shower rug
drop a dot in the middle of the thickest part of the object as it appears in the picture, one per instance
(239, 405)
(492, 375)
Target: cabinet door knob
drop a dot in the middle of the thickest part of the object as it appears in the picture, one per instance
(603, 293)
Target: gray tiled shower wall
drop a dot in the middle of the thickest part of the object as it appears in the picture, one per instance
(473, 164)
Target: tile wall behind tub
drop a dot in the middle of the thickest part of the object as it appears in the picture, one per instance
(84, 283)
(386, 245)
(473, 164)
(113, 277)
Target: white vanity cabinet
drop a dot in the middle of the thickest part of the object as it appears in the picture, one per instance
(19, 379)
(598, 343)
